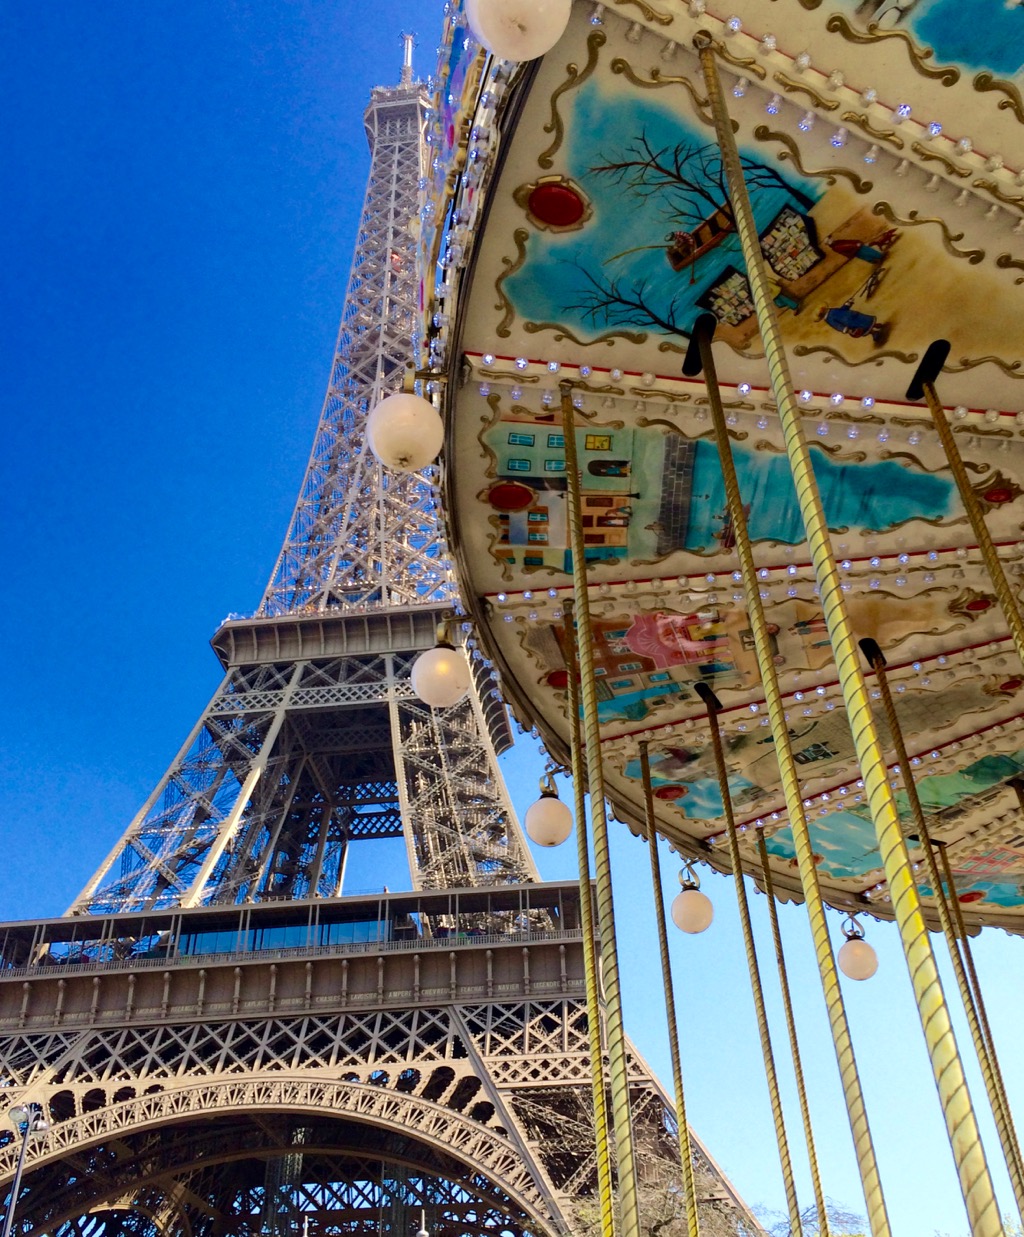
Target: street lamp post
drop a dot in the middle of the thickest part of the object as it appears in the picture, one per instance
(30, 1123)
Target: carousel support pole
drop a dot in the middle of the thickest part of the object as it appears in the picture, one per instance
(968, 955)
(606, 1196)
(997, 1099)
(923, 384)
(713, 706)
(794, 1043)
(685, 1150)
(947, 1068)
(629, 1209)
(700, 358)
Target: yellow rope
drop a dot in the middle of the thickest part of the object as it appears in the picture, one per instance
(605, 1192)
(755, 975)
(629, 1210)
(947, 1068)
(685, 1150)
(979, 999)
(969, 499)
(856, 1111)
(1004, 1122)
(794, 1043)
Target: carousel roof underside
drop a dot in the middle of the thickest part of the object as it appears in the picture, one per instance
(581, 204)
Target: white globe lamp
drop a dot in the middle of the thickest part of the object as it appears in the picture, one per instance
(548, 821)
(857, 959)
(692, 911)
(405, 432)
(440, 676)
(518, 29)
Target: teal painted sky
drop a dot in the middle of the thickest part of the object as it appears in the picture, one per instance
(978, 34)
(860, 496)
(847, 839)
(551, 284)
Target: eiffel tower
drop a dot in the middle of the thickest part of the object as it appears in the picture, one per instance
(223, 1039)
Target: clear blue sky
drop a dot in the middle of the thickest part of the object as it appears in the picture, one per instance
(183, 182)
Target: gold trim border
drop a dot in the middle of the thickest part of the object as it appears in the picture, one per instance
(947, 74)
(503, 330)
(876, 358)
(973, 256)
(657, 80)
(792, 152)
(1012, 102)
(1006, 261)
(790, 86)
(575, 78)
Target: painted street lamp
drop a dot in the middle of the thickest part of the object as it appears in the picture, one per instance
(30, 1123)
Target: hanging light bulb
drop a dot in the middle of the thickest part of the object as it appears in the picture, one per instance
(440, 676)
(548, 821)
(518, 29)
(692, 911)
(405, 432)
(423, 1230)
(857, 959)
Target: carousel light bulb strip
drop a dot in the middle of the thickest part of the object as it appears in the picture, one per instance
(794, 1043)
(605, 1192)
(685, 1150)
(853, 1095)
(756, 988)
(629, 1210)
(961, 1125)
(1007, 601)
(997, 1100)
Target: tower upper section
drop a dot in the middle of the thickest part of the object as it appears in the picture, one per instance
(359, 535)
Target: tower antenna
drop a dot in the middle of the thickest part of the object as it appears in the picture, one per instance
(408, 43)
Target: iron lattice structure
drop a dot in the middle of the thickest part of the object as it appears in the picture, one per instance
(226, 1043)
(361, 535)
(314, 739)
(205, 1076)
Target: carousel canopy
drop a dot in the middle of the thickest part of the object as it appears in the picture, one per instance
(578, 223)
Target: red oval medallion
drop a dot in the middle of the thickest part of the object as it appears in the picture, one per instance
(670, 792)
(972, 895)
(556, 205)
(1011, 685)
(558, 679)
(977, 604)
(510, 496)
(998, 494)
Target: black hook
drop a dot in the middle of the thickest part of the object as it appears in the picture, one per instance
(875, 656)
(708, 696)
(703, 331)
(929, 369)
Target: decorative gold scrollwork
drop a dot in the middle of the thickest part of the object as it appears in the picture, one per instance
(997, 191)
(574, 79)
(933, 156)
(1012, 102)
(657, 79)
(792, 152)
(662, 19)
(520, 236)
(1012, 369)
(876, 134)
(1006, 261)
(876, 358)
(791, 86)
(947, 75)
(973, 256)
